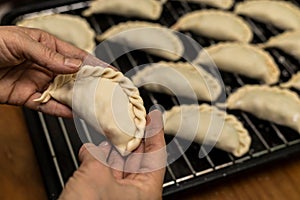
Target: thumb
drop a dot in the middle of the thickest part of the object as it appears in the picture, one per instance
(90, 152)
(50, 59)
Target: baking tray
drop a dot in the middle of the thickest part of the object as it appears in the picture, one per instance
(56, 141)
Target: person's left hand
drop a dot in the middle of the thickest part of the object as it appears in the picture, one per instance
(29, 60)
(139, 176)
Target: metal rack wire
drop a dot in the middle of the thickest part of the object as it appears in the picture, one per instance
(57, 152)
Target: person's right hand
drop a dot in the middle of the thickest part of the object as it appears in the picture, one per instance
(139, 177)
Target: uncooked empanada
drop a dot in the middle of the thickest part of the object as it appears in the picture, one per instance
(105, 99)
(208, 125)
(70, 28)
(280, 106)
(289, 42)
(241, 58)
(223, 4)
(180, 79)
(147, 9)
(215, 24)
(150, 37)
(281, 14)
(294, 82)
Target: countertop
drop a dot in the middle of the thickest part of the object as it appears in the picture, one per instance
(20, 178)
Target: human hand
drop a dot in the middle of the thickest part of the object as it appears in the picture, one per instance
(29, 60)
(138, 176)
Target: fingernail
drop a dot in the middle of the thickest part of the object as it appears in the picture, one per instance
(74, 63)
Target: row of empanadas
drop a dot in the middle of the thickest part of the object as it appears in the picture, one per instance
(208, 125)
(269, 103)
(152, 38)
(180, 79)
(215, 24)
(244, 59)
(70, 28)
(106, 100)
(282, 14)
(146, 9)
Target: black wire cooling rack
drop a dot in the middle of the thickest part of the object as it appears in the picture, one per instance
(57, 143)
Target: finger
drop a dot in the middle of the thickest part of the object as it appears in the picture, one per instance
(69, 50)
(54, 43)
(52, 107)
(49, 58)
(93, 163)
(154, 137)
(155, 155)
(90, 178)
(94, 61)
(90, 151)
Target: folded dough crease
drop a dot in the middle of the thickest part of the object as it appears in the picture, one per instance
(106, 100)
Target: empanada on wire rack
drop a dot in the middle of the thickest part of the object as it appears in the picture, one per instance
(106, 100)
(223, 4)
(294, 82)
(146, 9)
(215, 24)
(281, 14)
(70, 28)
(206, 124)
(274, 104)
(159, 40)
(241, 58)
(180, 79)
(289, 42)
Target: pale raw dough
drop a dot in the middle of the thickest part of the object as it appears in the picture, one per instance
(223, 4)
(215, 24)
(205, 124)
(289, 42)
(281, 14)
(277, 105)
(180, 79)
(241, 58)
(105, 99)
(70, 28)
(294, 82)
(159, 40)
(147, 9)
